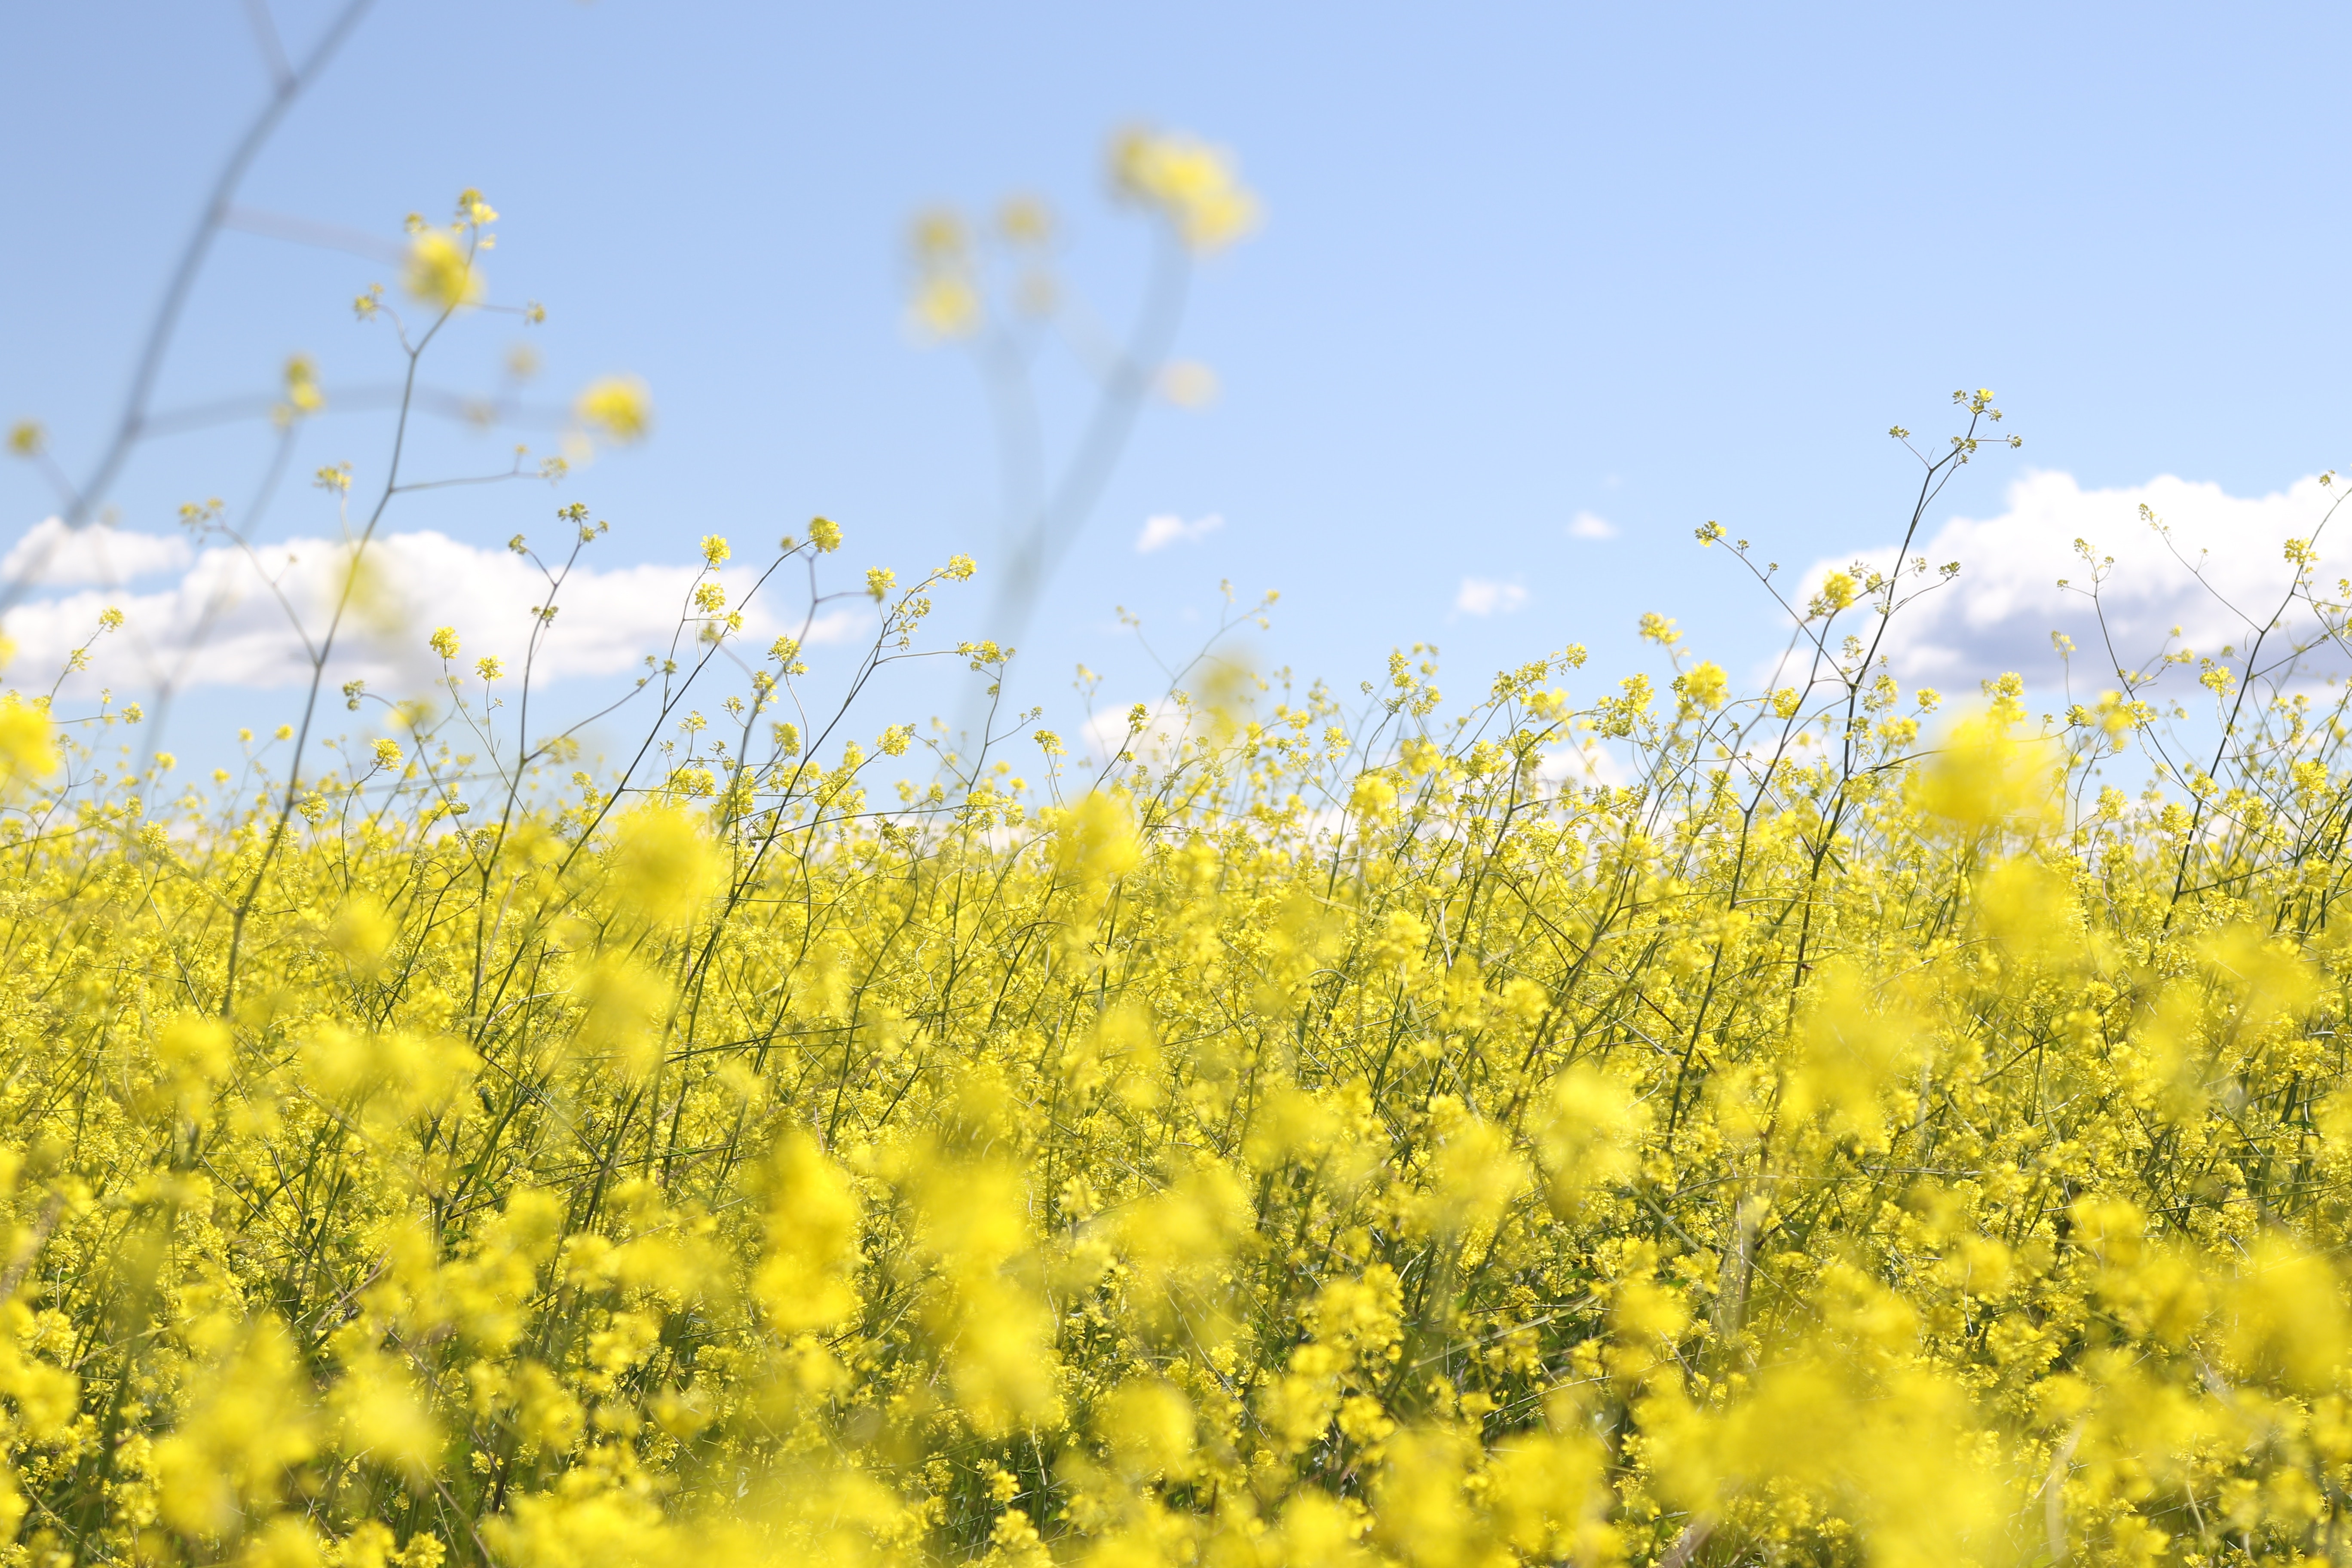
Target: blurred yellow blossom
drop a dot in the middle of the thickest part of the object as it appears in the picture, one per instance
(440, 271)
(619, 407)
(1192, 183)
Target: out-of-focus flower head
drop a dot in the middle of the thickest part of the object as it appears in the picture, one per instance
(663, 865)
(619, 407)
(1187, 384)
(1985, 776)
(1704, 687)
(1192, 183)
(28, 746)
(304, 396)
(1025, 220)
(1026, 224)
(441, 271)
(938, 237)
(945, 301)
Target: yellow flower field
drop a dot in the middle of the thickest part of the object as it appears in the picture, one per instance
(1329, 1134)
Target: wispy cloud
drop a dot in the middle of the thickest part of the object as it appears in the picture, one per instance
(229, 618)
(1485, 596)
(1167, 529)
(1590, 525)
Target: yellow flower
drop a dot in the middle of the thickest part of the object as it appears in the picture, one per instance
(1187, 384)
(1704, 687)
(804, 1282)
(620, 406)
(1985, 776)
(663, 866)
(303, 394)
(937, 239)
(1374, 797)
(1025, 220)
(1189, 183)
(947, 305)
(29, 748)
(200, 1049)
(441, 272)
(1097, 838)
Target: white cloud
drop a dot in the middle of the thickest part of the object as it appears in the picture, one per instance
(1105, 734)
(230, 618)
(1587, 763)
(832, 627)
(2000, 611)
(1167, 529)
(1484, 596)
(1590, 525)
(53, 555)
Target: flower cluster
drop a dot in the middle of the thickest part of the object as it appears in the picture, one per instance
(1335, 1140)
(1311, 1136)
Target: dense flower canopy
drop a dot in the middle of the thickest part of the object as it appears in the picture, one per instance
(1313, 1138)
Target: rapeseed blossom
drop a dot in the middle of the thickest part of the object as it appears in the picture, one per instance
(619, 407)
(1192, 183)
(441, 272)
(1507, 1172)
(27, 744)
(1317, 1135)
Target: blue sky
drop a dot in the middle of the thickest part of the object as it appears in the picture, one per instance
(1656, 264)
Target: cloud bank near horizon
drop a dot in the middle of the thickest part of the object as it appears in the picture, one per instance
(229, 617)
(2224, 564)
(209, 615)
